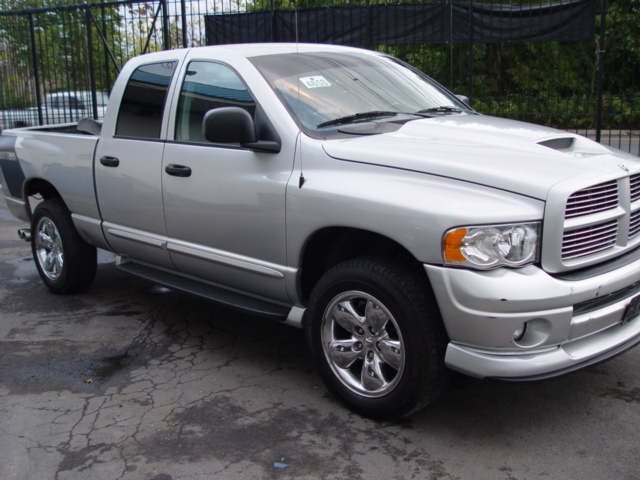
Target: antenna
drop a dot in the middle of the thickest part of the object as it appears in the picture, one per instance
(301, 180)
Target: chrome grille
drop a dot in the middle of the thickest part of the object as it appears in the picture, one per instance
(600, 222)
(634, 224)
(635, 187)
(558, 143)
(589, 240)
(592, 200)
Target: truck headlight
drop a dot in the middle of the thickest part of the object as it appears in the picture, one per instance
(492, 246)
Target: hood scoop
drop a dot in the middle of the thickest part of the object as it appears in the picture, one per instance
(558, 143)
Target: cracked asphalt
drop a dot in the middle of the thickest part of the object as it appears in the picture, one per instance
(131, 381)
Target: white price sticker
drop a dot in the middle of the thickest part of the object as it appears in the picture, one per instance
(315, 82)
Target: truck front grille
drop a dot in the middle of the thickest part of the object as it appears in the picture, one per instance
(589, 240)
(602, 217)
(634, 224)
(594, 199)
(635, 187)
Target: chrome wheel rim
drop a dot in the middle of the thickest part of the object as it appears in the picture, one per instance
(48, 249)
(363, 344)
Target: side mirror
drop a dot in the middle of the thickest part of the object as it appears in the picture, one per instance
(228, 125)
(234, 125)
(464, 99)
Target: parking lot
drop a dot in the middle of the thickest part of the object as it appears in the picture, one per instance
(129, 380)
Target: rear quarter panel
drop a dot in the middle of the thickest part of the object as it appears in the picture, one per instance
(65, 161)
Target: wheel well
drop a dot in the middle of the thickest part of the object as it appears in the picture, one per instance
(40, 187)
(332, 246)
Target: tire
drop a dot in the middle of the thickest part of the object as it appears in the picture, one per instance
(377, 337)
(65, 262)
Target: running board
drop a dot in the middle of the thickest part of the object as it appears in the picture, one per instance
(228, 298)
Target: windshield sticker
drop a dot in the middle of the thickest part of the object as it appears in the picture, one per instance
(315, 82)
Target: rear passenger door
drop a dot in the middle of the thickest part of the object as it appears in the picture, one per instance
(128, 169)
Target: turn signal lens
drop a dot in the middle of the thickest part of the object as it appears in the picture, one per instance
(452, 243)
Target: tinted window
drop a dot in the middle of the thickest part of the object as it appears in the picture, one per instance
(207, 86)
(143, 102)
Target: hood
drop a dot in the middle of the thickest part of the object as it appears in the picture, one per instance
(506, 154)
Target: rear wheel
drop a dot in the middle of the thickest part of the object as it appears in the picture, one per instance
(377, 337)
(65, 262)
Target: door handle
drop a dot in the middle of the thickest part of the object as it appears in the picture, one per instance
(110, 161)
(178, 170)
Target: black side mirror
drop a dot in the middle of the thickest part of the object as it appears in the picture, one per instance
(234, 125)
(228, 125)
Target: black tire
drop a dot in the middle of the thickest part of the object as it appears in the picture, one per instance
(65, 262)
(378, 317)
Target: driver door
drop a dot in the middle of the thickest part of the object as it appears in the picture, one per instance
(224, 205)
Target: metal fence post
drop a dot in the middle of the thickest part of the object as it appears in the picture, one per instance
(369, 24)
(451, 46)
(92, 66)
(36, 74)
(165, 26)
(272, 23)
(183, 6)
(106, 48)
(600, 68)
(470, 92)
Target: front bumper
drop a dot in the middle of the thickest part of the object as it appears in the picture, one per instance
(570, 324)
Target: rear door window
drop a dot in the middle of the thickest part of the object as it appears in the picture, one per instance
(143, 101)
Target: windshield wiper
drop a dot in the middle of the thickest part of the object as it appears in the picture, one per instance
(357, 116)
(442, 109)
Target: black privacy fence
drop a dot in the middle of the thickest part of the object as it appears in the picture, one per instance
(572, 64)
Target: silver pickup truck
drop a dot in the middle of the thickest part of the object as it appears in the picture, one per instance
(344, 192)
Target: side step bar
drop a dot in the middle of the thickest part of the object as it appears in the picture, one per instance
(229, 298)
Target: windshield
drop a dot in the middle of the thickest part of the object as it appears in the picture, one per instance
(326, 91)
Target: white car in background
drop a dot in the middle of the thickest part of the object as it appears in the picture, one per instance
(60, 107)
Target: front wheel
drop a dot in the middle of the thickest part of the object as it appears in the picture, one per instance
(377, 337)
(65, 262)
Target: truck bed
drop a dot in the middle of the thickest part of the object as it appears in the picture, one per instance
(85, 126)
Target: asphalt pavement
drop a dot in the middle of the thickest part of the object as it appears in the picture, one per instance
(131, 381)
